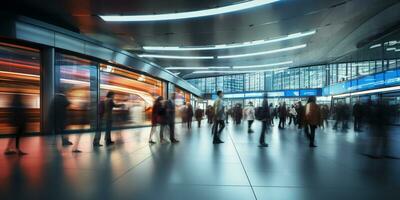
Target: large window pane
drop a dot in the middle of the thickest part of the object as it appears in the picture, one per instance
(19, 75)
(137, 92)
(76, 78)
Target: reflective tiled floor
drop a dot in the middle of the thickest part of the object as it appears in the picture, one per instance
(196, 169)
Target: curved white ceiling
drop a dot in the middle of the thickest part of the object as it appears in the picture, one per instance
(229, 46)
(187, 15)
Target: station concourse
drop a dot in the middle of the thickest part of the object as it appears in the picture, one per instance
(151, 99)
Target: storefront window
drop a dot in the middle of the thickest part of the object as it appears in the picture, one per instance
(19, 75)
(76, 78)
(135, 91)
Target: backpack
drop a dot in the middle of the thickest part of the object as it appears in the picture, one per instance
(260, 113)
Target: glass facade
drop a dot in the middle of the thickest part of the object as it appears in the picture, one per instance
(317, 76)
(19, 76)
(84, 82)
(135, 91)
(76, 78)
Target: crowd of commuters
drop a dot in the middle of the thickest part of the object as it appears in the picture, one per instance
(374, 115)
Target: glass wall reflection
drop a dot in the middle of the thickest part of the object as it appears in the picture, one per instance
(135, 91)
(19, 75)
(76, 78)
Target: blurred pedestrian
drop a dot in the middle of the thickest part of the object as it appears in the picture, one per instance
(312, 119)
(18, 119)
(189, 115)
(60, 111)
(109, 105)
(300, 115)
(265, 121)
(292, 115)
(219, 118)
(82, 120)
(250, 116)
(357, 114)
(210, 114)
(282, 112)
(199, 113)
(272, 114)
(238, 113)
(155, 117)
(170, 117)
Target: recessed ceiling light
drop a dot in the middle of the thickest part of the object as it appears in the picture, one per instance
(236, 72)
(266, 65)
(264, 52)
(187, 15)
(185, 68)
(375, 46)
(175, 57)
(228, 46)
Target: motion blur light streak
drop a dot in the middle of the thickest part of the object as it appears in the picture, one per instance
(229, 46)
(187, 15)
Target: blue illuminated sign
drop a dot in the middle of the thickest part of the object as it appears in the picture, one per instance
(388, 78)
(309, 92)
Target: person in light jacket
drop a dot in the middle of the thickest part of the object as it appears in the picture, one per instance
(312, 119)
(250, 115)
(219, 118)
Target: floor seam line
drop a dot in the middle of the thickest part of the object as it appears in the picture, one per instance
(130, 169)
(241, 162)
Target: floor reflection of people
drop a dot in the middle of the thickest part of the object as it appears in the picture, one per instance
(18, 119)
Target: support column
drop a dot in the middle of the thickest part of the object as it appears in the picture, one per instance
(47, 88)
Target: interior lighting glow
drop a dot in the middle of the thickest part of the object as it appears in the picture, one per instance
(187, 15)
(264, 52)
(175, 57)
(229, 46)
(266, 65)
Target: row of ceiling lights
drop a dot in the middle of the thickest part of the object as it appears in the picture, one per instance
(224, 57)
(209, 12)
(188, 15)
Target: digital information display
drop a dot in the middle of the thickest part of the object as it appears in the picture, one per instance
(388, 78)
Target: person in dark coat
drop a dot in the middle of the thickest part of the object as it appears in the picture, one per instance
(300, 115)
(60, 109)
(357, 114)
(238, 113)
(19, 120)
(272, 114)
(312, 119)
(198, 114)
(170, 117)
(156, 114)
(109, 105)
(282, 112)
(265, 122)
(189, 115)
(210, 114)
